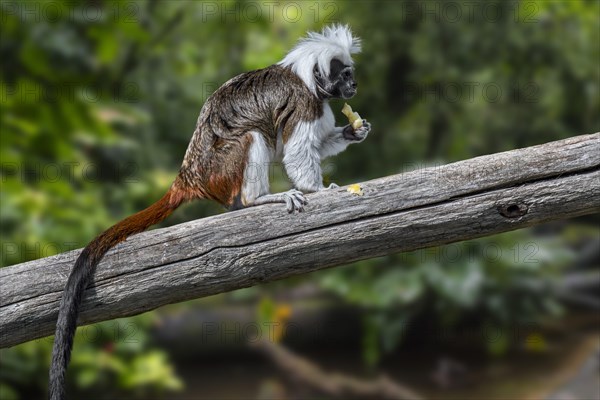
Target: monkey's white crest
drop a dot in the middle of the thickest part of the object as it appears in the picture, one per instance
(318, 49)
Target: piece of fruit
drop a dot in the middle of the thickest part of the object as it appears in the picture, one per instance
(353, 118)
(355, 189)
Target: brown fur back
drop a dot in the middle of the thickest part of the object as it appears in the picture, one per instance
(268, 101)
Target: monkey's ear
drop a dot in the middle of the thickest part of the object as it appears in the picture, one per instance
(316, 72)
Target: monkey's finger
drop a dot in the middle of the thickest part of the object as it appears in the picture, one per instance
(301, 198)
(289, 204)
(298, 195)
(297, 204)
(296, 199)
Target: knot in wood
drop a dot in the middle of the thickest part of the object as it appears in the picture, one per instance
(513, 210)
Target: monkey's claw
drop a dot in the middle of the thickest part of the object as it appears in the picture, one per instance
(294, 200)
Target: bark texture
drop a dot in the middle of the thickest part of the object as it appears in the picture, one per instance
(422, 208)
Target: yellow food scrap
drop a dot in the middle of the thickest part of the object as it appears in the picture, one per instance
(353, 118)
(355, 189)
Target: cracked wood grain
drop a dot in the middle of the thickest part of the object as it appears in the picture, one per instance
(422, 208)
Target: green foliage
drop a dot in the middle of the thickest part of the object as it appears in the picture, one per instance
(111, 357)
(7, 392)
(423, 81)
(508, 278)
(97, 113)
(427, 84)
(96, 116)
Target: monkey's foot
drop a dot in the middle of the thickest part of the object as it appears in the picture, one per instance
(293, 199)
(332, 186)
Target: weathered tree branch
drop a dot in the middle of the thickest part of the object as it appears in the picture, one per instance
(333, 384)
(423, 208)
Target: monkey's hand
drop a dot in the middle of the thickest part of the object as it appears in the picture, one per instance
(357, 135)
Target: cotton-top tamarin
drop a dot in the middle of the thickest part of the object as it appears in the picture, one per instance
(280, 112)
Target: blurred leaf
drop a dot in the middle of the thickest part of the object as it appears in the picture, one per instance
(8, 393)
(87, 377)
(498, 341)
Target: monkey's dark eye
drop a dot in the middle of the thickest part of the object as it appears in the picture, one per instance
(346, 74)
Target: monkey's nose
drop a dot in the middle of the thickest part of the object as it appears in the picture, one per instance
(354, 85)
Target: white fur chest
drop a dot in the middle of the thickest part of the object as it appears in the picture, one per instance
(325, 124)
(307, 135)
(302, 152)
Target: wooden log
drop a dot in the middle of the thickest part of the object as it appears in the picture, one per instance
(422, 208)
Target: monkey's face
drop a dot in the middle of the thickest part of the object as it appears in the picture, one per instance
(340, 83)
